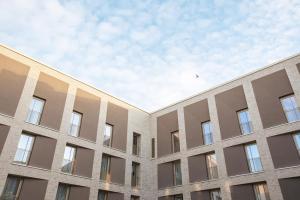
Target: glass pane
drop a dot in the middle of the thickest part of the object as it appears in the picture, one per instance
(11, 188)
(261, 191)
(104, 167)
(175, 142)
(297, 140)
(215, 195)
(245, 123)
(177, 171)
(207, 133)
(102, 195)
(35, 110)
(212, 166)
(62, 192)
(24, 148)
(68, 161)
(75, 124)
(178, 197)
(107, 135)
(253, 158)
(290, 108)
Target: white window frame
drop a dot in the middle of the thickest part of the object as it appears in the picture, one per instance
(205, 134)
(108, 136)
(27, 151)
(32, 111)
(75, 128)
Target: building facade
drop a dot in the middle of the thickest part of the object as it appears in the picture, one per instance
(61, 139)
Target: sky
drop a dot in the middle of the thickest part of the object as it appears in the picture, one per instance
(148, 52)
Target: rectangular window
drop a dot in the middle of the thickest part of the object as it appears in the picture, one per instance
(35, 110)
(136, 144)
(12, 188)
(245, 122)
(24, 149)
(215, 195)
(75, 124)
(105, 165)
(108, 131)
(177, 173)
(153, 147)
(261, 191)
(102, 195)
(297, 141)
(212, 167)
(253, 157)
(175, 142)
(63, 192)
(134, 197)
(207, 133)
(290, 108)
(178, 197)
(69, 159)
(135, 174)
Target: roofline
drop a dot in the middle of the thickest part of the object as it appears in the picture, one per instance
(227, 82)
(64, 74)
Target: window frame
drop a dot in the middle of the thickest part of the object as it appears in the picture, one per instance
(111, 135)
(211, 167)
(204, 134)
(73, 154)
(135, 179)
(297, 134)
(72, 125)
(173, 136)
(107, 171)
(211, 194)
(67, 187)
(105, 194)
(295, 109)
(257, 191)
(28, 151)
(19, 186)
(136, 149)
(177, 163)
(251, 164)
(249, 122)
(30, 111)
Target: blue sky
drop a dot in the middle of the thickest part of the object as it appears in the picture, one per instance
(148, 52)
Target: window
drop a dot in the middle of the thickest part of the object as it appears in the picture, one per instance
(215, 195)
(12, 188)
(178, 197)
(135, 174)
(297, 141)
(245, 122)
(177, 172)
(63, 192)
(35, 110)
(102, 195)
(136, 144)
(261, 191)
(175, 142)
(69, 159)
(75, 124)
(207, 133)
(212, 167)
(134, 197)
(105, 165)
(153, 147)
(24, 149)
(253, 158)
(108, 130)
(290, 108)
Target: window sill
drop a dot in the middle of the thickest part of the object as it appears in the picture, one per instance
(75, 175)
(170, 187)
(81, 138)
(200, 146)
(280, 125)
(29, 166)
(204, 181)
(115, 149)
(247, 174)
(111, 183)
(236, 137)
(41, 126)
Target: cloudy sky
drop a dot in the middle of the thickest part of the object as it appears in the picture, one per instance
(148, 52)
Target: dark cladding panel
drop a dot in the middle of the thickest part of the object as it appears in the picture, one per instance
(117, 170)
(268, 90)
(84, 162)
(33, 189)
(3, 135)
(166, 124)
(79, 193)
(228, 104)
(203, 195)
(197, 168)
(290, 188)
(244, 192)
(194, 115)
(236, 160)
(165, 175)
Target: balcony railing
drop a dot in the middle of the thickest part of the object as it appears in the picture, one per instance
(246, 127)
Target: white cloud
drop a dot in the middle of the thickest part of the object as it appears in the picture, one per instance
(149, 52)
